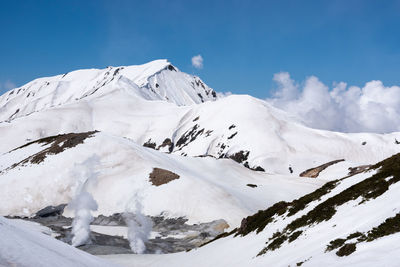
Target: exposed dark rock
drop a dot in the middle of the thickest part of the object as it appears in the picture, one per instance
(167, 142)
(251, 185)
(208, 133)
(200, 83)
(364, 143)
(314, 172)
(160, 176)
(346, 250)
(150, 144)
(258, 169)
(294, 236)
(116, 71)
(240, 156)
(201, 97)
(205, 156)
(334, 244)
(189, 136)
(13, 115)
(233, 135)
(116, 219)
(196, 119)
(232, 126)
(51, 211)
(171, 68)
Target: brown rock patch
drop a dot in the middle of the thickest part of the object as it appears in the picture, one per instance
(314, 172)
(58, 144)
(160, 176)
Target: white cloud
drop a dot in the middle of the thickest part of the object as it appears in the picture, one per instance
(7, 85)
(372, 108)
(197, 62)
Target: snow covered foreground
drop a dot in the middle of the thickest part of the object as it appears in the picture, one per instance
(21, 245)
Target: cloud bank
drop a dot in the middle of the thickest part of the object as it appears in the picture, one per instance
(197, 62)
(372, 108)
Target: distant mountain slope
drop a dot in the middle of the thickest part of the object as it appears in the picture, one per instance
(156, 80)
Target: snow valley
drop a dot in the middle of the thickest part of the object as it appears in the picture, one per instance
(147, 165)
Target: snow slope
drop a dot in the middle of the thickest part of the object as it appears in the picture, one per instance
(21, 245)
(220, 128)
(207, 189)
(359, 209)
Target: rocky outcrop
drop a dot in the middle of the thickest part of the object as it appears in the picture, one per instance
(314, 172)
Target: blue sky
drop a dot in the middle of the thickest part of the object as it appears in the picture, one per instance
(243, 43)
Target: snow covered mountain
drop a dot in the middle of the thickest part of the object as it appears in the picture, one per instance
(244, 128)
(156, 80)
(153, 137)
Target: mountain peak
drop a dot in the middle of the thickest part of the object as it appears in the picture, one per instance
(155, 80)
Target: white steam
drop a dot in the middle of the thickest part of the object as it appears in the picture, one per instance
(83, 203)
(372, 108)
(139, 226)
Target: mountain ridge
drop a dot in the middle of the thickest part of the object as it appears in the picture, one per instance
(156, 80)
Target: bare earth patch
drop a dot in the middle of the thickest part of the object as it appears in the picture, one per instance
(160, 176)
(314, 172)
